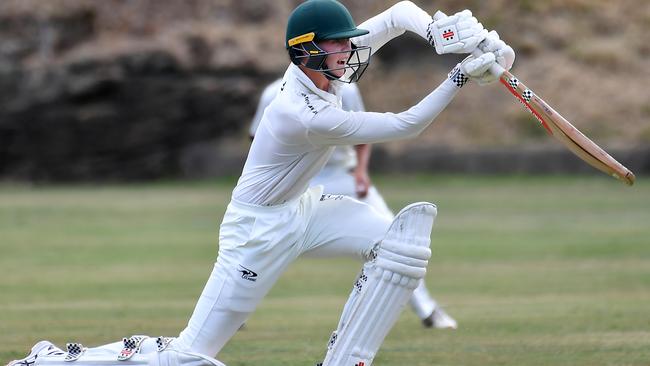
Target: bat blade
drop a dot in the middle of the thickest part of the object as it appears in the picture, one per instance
(565, 132)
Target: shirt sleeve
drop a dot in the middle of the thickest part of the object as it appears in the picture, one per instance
(401, 17)
(334, 126)
(351, 98)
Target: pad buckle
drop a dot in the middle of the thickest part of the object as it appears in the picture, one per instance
(75, 350)
(163, 342)
(131, 346)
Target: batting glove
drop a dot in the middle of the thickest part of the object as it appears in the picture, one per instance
(459, 33)
(504, 55)
(472, 68)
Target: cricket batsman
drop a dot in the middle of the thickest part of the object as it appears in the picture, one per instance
(346, 173)
(274, 217)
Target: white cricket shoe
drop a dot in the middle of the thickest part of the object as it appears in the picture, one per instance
(39, 349)
(439, 319)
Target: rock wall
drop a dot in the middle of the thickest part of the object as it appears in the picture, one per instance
(82, 103)
(129, 117)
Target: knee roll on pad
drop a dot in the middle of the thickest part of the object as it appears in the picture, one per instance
(405, 260)
(383, 287)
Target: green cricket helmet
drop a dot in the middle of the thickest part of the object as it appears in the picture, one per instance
(319, 20)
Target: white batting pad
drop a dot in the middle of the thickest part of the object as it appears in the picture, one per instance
(132, 351)
(383, 287)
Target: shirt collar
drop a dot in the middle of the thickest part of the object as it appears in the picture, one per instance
(296, 73)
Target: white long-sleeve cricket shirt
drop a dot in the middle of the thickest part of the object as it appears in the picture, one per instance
(303, 124)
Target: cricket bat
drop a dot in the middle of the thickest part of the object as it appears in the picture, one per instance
(558, 127)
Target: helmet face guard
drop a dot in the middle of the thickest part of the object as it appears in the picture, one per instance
(313, 57)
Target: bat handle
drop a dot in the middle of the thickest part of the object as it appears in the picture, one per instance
(495, 69)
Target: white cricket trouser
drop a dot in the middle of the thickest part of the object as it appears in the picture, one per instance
(257, 243)
(338, 180)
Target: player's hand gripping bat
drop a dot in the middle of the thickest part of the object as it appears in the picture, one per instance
(560, 128)
(444, 31)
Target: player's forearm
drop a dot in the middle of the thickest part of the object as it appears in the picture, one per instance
(363, 156)
(423, 113)
(337, 127)
(417, 118)
(401, 17)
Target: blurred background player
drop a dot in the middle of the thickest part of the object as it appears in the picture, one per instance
(346, 173)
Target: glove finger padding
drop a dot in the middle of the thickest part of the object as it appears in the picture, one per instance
(475, 67)
(490, 42)
(459, 33)
(478, 68)
(505, 55)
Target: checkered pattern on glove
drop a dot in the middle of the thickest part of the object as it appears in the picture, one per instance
(457, 76)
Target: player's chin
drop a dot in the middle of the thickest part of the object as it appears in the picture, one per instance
(339, 71)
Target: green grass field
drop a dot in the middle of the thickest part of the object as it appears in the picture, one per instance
(537, 270)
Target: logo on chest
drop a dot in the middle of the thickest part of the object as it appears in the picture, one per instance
(309, 105)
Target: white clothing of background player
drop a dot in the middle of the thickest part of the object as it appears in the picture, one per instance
(274, 217)
(346, 173)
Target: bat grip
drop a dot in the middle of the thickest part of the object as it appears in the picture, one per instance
(495, 69)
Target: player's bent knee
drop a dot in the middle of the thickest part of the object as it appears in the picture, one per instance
(406, 260)
(405, 247)
(384, 286)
